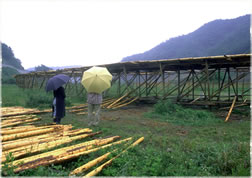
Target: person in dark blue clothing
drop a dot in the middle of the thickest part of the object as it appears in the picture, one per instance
(58, 104)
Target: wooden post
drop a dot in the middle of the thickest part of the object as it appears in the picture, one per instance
(237, 90)
(192, 84)
(178, 96)
(219, 82)
(139, 81)
(119, 85)
(146, 94)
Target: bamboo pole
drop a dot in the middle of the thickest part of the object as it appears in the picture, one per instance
(231, 108)
(99, 169)
(40, 147)
(60, 156)
(65, 150)
(117, 100)
(23, 129)
(30, 133)
(119, 106)
(16, 117)
(20, 122)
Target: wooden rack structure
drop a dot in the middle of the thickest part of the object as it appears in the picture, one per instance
(212, 80)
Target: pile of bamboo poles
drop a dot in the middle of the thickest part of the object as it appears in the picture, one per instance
(39, 144)
(28, 145)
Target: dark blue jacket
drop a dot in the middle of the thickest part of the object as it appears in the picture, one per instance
(59, 94)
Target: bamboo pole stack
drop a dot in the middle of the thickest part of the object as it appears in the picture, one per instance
(27, 143)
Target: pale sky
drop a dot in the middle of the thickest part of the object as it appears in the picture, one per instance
(93, 32)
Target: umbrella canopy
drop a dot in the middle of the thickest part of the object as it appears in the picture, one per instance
(56, 81)
(96, 79)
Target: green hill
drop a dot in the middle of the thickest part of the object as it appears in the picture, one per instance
(8, 57)
(218, 37)
(10, 65)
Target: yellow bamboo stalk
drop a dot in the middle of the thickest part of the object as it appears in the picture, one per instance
(20, 122)
(82, 113)
(51, 158)
(26, 134)
(20, 112)
(66, 150)
(90, 164)
(78, 110)
(97, 170)
(40, 147)
(231, 109)
(120, 102)
(16, 120)
(59, 131)
(107, 102)
(117, 100)
(119, 106)
(59, 157)
(16, 117)
(22, 129)
(19, 127)
(97, 160)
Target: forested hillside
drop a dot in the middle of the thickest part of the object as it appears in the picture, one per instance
(10, 65)
(8, 57)
(218, 37)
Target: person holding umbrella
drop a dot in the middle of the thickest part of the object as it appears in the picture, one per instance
(95, 80)
(58, 107)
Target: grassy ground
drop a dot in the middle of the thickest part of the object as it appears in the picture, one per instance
(178, 142)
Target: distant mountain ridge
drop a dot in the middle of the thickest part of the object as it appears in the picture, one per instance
(55, 67)
(218, 37)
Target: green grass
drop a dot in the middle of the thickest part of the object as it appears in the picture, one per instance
(178, 141)
(176, 114)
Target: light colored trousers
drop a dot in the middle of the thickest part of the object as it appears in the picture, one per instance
(94, 114)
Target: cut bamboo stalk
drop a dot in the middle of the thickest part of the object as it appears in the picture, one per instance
(41, 138)
(231, 109)
(16, 120)
(31, 139)
(89, 164)
(52, 128)
(26, 134)
(122, 101)
(119, 106)
(22, 129)
(117, 100)
(99, 169)
(75, 155)
(66, 150)
(16, 117)
(28, 141)
(82, 113)
(19, 127)
(92, 163)
(78, 110)
(40, 147)
(59, 155)
(52, 141)
(21, 122)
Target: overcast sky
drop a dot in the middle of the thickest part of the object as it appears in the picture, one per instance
(92, 32)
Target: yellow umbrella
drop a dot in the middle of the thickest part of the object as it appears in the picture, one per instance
(96, 79)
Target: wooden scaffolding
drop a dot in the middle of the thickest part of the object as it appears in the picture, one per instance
(212, 80)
